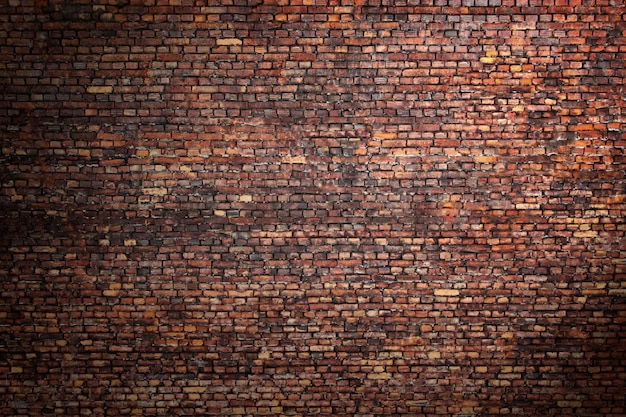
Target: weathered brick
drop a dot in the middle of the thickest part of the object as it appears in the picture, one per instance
(229, 41)
(315, 207)
(99, 89)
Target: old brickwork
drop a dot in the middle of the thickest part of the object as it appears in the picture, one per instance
(313, 207)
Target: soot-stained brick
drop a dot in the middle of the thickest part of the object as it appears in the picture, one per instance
(298, 208)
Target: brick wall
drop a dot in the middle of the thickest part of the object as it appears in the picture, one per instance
(311, 207)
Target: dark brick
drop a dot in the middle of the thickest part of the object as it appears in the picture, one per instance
(333, 208)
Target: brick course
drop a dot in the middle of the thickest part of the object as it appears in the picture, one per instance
(294, 208)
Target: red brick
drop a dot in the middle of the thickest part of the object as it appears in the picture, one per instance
(333, 208)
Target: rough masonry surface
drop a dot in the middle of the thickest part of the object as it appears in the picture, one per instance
(313, 207)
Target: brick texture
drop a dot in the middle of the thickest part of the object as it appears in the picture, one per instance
(313, 207)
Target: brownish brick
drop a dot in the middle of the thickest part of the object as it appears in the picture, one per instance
(297, 208)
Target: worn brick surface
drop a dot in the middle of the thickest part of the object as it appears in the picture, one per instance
(313, 207)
